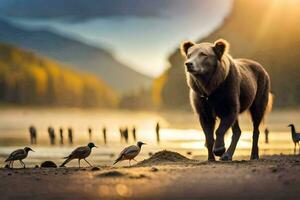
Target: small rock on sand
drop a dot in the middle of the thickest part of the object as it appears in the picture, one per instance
(273, 170)
(95, 169)
(48, 164)
(153, 169)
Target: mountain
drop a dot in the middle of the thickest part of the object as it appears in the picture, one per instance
(27, 79)
(75, 54)
(267, 31)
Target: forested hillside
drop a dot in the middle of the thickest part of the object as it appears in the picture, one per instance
(30, 80)
(267, 31)
(76, 55)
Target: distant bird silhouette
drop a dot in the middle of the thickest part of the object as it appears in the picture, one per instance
(90, 133)
(126, 134)
(51, 133)
(295, 137)
(32, 131)
(104, 134)
(157, 130)
(267, 135)
(134, 133)
(129, 153)
(79, 153)
(19, 155)
(70, 135)
(61, 133)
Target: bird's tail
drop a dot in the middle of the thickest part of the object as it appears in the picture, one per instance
(65, 162)
(117, 160)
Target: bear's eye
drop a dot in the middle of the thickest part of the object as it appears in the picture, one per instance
(203, 54)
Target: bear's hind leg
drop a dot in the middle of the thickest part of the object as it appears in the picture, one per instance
(236, 133)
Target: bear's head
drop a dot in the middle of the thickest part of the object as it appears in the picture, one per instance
(203, 58)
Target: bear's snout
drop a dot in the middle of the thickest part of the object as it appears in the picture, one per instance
(189, 66)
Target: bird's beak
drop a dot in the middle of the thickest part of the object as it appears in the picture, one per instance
(32, 150)
(95, 146)
(144, 143)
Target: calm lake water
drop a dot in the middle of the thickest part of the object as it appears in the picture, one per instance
(179, 132)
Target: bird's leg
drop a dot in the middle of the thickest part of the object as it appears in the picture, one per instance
(23, 164)
(79, 163)
(295, 148)
(12, 164)
(9, 164)
(135, 160)
(129, 163)
(87, 162)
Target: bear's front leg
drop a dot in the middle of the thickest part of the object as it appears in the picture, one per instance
(226, 122)
(208, 125)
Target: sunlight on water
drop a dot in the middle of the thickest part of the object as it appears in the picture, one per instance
(14, 134)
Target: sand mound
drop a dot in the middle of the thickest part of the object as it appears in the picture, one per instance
(164, 157)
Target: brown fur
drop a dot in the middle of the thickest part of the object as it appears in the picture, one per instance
(222, 87)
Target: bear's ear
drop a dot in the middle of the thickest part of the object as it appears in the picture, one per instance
(185, 47)
(221, 46)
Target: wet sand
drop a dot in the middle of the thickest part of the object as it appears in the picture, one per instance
(163, 176)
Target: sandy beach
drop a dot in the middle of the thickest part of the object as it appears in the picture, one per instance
(165, 175)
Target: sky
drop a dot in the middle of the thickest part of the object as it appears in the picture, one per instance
(140, 33)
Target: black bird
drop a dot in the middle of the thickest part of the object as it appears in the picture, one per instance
(295, 137)
(79, 153)
(19, 155)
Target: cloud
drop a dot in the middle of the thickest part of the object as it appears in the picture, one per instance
(86, 9)
(82, 9)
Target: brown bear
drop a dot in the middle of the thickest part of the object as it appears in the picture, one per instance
(222, 87)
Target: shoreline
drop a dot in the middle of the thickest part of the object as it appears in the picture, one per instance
(168, 176)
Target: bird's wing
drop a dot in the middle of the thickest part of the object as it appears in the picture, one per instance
(16, 154)
(79, 152)
(125, 150)
(128, 152)
(132, 150)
